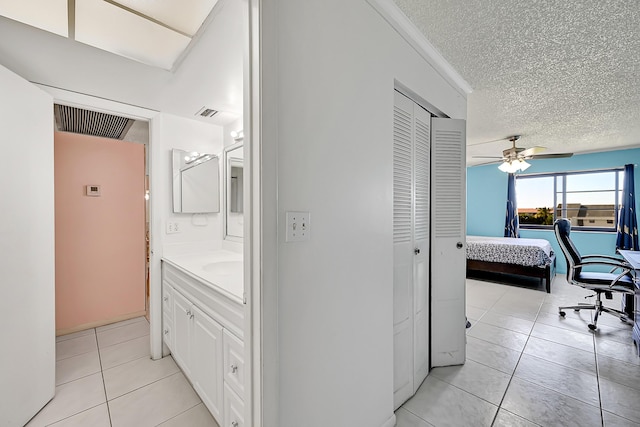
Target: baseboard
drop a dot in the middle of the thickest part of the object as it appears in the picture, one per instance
(99, 323)
(391, 422)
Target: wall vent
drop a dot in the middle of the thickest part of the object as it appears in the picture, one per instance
(86, 122)
(207, 112)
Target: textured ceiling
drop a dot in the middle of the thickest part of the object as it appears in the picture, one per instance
(563, 74)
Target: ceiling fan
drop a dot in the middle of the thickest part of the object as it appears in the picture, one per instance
(513, 158)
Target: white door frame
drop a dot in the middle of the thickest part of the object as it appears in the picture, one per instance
(253, 231)
(79, 100)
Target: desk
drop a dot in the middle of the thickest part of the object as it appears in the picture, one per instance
(633, 258)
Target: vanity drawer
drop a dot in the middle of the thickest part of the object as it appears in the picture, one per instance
(233, 349)
(167, 299)
(167, 331)
(233, 408)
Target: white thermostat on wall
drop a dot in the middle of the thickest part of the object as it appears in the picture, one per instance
(92, 190)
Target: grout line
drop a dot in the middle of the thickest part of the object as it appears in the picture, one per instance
(513, 374)
(595, 355)
(199, 403)
(124, 363)
(122, 342)
(104, 386)
(72, 415)
(152, 382)
(79, 354)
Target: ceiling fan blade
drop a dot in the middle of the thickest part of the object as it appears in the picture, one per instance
(552, 156)
(531, 151)
(494, 162)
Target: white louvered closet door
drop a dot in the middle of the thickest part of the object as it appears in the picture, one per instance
(448, 230)
(411, 165)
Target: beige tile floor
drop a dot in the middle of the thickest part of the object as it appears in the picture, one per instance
(526, 366)
(104, 377)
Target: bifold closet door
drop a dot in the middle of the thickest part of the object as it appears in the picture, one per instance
(448, 236)
(411, 238)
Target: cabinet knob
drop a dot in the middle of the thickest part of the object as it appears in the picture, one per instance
(234, 424)
(234, 369)
(165, 298)
(188, 312)
(166, 331)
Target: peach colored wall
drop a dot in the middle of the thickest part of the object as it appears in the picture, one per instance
(100, 241)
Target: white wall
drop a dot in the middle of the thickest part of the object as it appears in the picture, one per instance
(189, 135)
(330, 121)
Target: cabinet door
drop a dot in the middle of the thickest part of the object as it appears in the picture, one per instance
(207, 361)
(167, 331)
(167, 299)
(233, 362)
(182, 313)
(233, 408)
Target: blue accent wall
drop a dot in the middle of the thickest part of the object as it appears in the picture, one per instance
(487, 200)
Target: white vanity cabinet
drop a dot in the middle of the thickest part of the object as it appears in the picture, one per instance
(202, 328)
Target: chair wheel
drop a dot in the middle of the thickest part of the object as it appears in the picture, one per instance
(592, 327)
(562, 313)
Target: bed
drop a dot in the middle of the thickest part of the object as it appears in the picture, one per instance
(532, 258)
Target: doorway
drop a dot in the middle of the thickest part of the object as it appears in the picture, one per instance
(101, 220)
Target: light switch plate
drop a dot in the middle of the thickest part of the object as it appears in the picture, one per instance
(173, 227)
(298, 226)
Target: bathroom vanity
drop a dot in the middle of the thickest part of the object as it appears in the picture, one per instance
(203, 321)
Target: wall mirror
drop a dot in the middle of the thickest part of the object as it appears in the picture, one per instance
(196, 182)
(234, 188)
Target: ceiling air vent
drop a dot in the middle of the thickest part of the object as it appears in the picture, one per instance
(86, 122)
(207, 112)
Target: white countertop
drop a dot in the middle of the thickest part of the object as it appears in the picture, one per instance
(221, 269)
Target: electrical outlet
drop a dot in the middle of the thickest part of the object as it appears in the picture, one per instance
(298, 226)
(173, 227)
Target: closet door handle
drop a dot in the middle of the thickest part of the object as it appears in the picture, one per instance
(416, 251)
(459, 245)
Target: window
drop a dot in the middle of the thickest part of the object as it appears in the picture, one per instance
(591, 200)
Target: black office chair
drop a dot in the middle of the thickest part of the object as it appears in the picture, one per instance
(617, 280)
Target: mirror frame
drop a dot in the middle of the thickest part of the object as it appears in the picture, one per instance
(226, 168)
(177, 155)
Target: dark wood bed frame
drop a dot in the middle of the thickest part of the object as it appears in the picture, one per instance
(545, 273)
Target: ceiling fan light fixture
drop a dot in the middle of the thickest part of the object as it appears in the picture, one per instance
(513, 166)
(523, 165)
(507, 167)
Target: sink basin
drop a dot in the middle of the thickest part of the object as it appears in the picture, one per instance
(224, 268)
